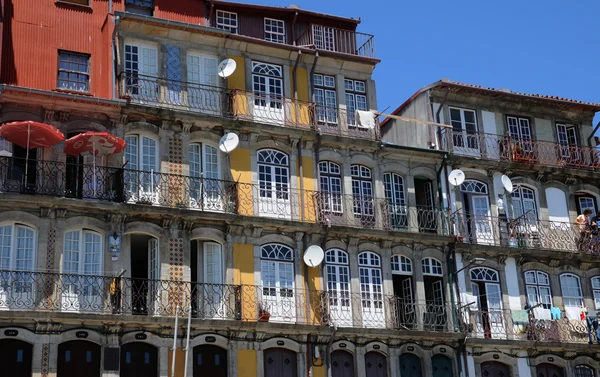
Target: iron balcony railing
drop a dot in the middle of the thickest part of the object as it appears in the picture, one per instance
(341, 122)
(520, 150)
(525, 232)
(95, 294)
(533, 325)
(332, 39)
(211, 100)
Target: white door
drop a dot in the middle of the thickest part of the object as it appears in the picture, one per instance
(324, 37)
(154, 287)
(465, 136)
(481, 222)
(278, 290)
(142, 177)
(206, 188)
(338, 290)
(495, 313)
(212, 297)
(409, 303)
(203, 93)
(274, 191)
(371, 290)
(267, 85)
(141, 70)
(17, 251)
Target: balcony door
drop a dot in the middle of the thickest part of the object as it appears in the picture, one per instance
(489, 317)
(465, 137)
(206, 189)
(146, 287)
(337, 276)
(82, 180)
(477, 214)
(396, 201)
(568, 144)
(521, 143)
(426, 216)
(142, 174)
(435, 315)
(371, 289)
(15, 357)
(274, 184)
(18, 246)
(212, 294)
(324, 37)
(404, 299)
(202, 91)
(277, 281)
(141, 73)
(267, 85)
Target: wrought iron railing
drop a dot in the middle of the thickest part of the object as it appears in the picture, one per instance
(95, 294)
(519, 150)
(340, 122)
(536, 324)
(328, 38)
(525, 232)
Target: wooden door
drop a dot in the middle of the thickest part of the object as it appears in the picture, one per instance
(78, 358)
(15, 357)
(280, 362)
(139, 360)
(441, 366)
(494, 369)
(549, 370)
(210, 361)
(342, 364)
(410, 365)
(375, 364)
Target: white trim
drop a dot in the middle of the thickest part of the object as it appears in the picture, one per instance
(274, 33)
(227, 15)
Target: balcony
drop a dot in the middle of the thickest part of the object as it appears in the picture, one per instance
(108, 295)
(524, 232)
(216, 101)
(326, 38)
(339, 122)
(523, 325)
(523, 151)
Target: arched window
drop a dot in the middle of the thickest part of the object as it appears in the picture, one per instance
(371, 289)
(395, 196)
(362, 190)
(277, 279)
(273, 180)
(432, 267)
(330, 183)
(82, 253)
(17, 247)
(337, 275)
(596, 291)
(572, 294)
(484, 274)
(401, 265)
(523, 200)
(267, 84)
(474, 187)
(584, 371)
(486, 288)
(537, 285)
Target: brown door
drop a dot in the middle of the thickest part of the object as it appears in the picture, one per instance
(210, 361)
(15, 357)
(342, 364)
(549, 370)
(78, 358)
(375, 365)
(280, 362)
(494, 369)
(139, 360)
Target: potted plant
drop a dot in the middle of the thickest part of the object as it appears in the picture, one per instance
(263, 312)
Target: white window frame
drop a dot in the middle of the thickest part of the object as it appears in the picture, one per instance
(139, 143)
(337, 265)
(330, 175)
(352, 95)
(595, 280)
(280, 299)
(518, 198)
(371, 289)
(564, 132)
(432, 267)
(13, 248)
(542, 290)
(578, 299)
(325, 98)
(226, 15)
(362, 184)
(274, 36)
(83, 251)
(401, 265)
(582, 208)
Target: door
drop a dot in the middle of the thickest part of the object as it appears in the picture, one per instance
(279, 362)
(495, 369)
(521, 144)
(549, 370)
(206, 190)
(435, 316)
(338, 290)
(154, 288)
(141, 72)
(395, 197)
(203, 93)
(278, 289)
(371, 290)
(210, 361)
(481, 224)
(142, 174)
(375, 365)
(441, 366)
(324, 37)
(267, 85)
(274, 184)
(342, 364)
(410, 365)
(16, 357)
(22, 171)
(77, 358)
(139, 360)
(567, 139)
(212, 304)
(426, 217)
(465, 136)
(407, 308)
(489, 315)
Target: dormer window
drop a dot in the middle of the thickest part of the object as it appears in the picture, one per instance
(274, 30)
(227, 21)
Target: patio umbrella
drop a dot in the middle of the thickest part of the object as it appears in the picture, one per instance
(96, 144)
(29, 134)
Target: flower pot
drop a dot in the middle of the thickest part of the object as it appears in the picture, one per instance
(264, 316)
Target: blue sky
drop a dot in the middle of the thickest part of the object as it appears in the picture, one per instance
(532, 46)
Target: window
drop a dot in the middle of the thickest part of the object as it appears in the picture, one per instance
(80, 2)
(337, 273)
(401, 265)
(432, 267)
(17, 247)
(537, 285)
(567, 138)
(596, 291)
(325, 98)
(371, 288)
(5, 148)
(464, 125)
(519, 130)
(571, 291)
(330, 182)
(324, 37)
(82, 253)
(213, 266)
(145, 7)
(73, 71)
(205, 187)
(362, 190)
(142, 176)
(273, 174)
(474, 187)
(583, 371)
(277, 279)
(523, 200)
(396, 202)
(356, 99)
(267, 84)
(227, 21)
(274, 30)
(141, 70)
(586, 202)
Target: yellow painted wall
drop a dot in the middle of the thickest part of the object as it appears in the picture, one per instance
(308, 171)
(301, 83)
(243, 274)
(247, 363)
(179, 362)
(318, 371)
(304, 109)
(241, 172)
(238, 79)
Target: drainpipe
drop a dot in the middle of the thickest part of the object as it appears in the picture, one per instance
(110, 6)
(295, 84)
(451, 260)
(592, 135)
(312, 98)
(294, 28)
(439, 110)
(301, 172)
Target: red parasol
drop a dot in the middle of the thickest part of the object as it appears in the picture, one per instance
(96, 144)
(29, 134)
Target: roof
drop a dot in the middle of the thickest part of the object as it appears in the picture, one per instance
(498, 93)
(292, 9)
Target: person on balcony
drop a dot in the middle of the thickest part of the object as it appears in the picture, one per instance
(592, 327)
(585, 230)
(595, 231)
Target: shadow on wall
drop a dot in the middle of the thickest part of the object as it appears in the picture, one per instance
(8, 73)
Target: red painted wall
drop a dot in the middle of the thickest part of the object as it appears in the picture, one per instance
(189, 11)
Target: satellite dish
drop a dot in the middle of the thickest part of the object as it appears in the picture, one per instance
(313, 256)
(456, 177)
(507, 183)
(226, 68)
(229, 142)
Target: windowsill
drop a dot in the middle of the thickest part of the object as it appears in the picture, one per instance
(67, 91)
(75, 5)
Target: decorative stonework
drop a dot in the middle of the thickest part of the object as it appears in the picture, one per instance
(176, 187)
(51, 250)
(45, 360)
(176, 294)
